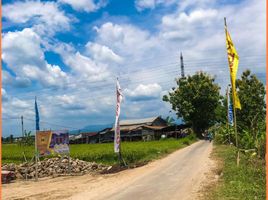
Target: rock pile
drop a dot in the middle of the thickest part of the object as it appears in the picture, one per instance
(54, 167)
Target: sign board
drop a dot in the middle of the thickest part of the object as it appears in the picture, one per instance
(52, 142)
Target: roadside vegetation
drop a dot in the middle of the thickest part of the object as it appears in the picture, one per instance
(245, 182)
(198, 101)
(134, 153)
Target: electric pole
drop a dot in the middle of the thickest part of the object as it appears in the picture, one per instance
(182, 67)
(22, 129)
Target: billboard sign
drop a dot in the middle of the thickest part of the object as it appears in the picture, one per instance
(53, 142)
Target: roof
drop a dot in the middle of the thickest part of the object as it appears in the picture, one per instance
(138, 121)
(89, 134)
(139, 127)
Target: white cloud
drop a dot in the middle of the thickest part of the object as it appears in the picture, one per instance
(70, 102)
(127, 40)
(84, 5)
(140, 56)
(82, 67)
(22, 47)
(4, 95)
(102, 53)
(184, 26)
(143, 4)
(45, 16)
(144, 92)
(190, 4)
(20, 104)
(23, 54)
(151, 4)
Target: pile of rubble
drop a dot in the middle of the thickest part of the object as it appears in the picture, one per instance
(54, 167)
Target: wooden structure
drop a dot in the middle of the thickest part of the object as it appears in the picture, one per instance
(133, 130)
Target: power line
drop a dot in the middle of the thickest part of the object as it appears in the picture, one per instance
(147, 72)
(41, 122)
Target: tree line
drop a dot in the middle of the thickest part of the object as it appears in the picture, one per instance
(197, 100)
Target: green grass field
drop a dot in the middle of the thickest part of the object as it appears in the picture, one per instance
(245, 182)
(132, 152)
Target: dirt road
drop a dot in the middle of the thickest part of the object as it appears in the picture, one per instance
(178, 176)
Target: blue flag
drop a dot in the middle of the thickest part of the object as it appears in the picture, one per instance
(36, 117)
(230, 113)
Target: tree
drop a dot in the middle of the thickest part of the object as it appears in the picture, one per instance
(195, 100)
(27, 139)
(251, 92)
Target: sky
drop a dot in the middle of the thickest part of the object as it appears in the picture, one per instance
(68, 53)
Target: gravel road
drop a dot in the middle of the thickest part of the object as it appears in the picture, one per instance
(178, 176)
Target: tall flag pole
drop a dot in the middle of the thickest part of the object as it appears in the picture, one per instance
(36, 116)
(230, 115)
(230, 109)
(233, 60)
(37, 128)
(119, 98)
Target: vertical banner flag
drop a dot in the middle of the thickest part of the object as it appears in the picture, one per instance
(230, 111)
(233, 60)
(117, 125)
(36, 116)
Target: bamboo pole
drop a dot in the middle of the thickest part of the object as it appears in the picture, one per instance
(233, 97)
(228, 119)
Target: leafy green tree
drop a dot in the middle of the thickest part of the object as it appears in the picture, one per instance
(251, 92)
(196, 99)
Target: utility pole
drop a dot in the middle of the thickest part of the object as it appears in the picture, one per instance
(182, 66)
(22, 129)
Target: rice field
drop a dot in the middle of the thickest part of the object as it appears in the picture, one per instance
(132, 152)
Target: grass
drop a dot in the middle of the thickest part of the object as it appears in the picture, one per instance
(132, 152)
(245, 182)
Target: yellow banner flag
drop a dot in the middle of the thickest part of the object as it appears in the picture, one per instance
(233, 60)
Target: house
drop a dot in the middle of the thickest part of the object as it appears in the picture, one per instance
(176, 131)
(133, 130)
(138, 129)
(84, 138)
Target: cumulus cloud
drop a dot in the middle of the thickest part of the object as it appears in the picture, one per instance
(183, 26)
(82, 66)
(85, 5)
(23, 54)
(102, 53)
(145, 56)
(151, 4)
(70, 102)
(46, 17)
(144, 92)
(20, 104)
(127, 40)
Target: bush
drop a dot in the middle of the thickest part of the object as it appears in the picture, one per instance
(246, 140)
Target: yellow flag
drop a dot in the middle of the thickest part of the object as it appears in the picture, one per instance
(233, 60)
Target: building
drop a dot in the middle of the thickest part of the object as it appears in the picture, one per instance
(84, 138)
(146, 129)
(138, 129)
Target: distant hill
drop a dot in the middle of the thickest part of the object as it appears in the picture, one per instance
(92, 128)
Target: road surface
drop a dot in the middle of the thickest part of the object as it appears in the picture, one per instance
(178, 176)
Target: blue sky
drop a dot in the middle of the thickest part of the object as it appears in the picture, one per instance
(68, 53)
